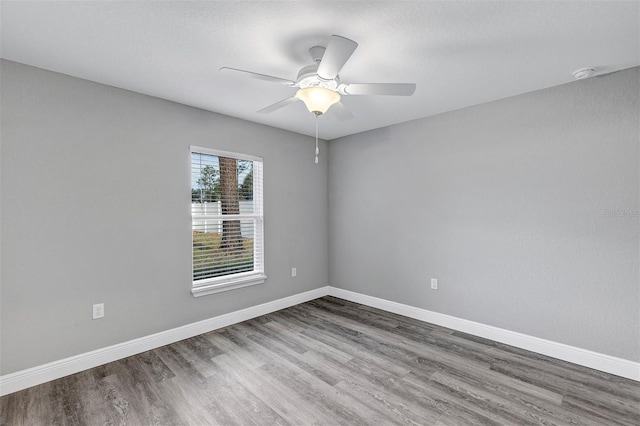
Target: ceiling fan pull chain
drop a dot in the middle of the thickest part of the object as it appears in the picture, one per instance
(317, 150)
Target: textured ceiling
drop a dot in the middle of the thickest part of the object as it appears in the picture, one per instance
(458, 53)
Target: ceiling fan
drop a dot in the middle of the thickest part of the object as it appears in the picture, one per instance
(319, 85)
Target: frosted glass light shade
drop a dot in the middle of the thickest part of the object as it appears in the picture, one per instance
(318, 99)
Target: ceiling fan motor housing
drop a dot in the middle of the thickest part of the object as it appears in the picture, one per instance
(308, 77)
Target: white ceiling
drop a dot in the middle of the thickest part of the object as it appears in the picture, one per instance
(458, 53)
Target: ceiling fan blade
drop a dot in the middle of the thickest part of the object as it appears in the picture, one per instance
(341, 112)
(278, 105)
(338, 51)
(393, 89)
(257, 75)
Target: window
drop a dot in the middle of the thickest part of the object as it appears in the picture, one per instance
(226, 221)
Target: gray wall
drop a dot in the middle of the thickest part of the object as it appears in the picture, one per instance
(96, 208)
(513, 205)
(525, 209)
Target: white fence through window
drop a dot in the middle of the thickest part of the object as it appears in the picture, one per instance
(215, 226)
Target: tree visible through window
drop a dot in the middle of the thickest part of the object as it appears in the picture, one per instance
(226, 206)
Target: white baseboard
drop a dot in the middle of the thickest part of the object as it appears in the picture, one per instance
(609, 364)
(54, 370)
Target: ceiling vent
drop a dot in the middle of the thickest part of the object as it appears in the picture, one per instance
(583, 73)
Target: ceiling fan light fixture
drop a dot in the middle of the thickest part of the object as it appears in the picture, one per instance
(318, 99)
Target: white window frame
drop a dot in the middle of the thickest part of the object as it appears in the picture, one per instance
(242, 279)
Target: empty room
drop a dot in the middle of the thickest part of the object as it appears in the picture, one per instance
(319, 213)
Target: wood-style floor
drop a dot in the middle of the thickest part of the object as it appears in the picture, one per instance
(331, 362)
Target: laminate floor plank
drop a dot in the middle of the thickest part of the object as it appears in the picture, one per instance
(331, 362)
(135, 374)
(275, 394)
(118, 402)
(492, 401)
(312, 344)
(177, 361)
(189, 400)
(457, 407)
(594, 378)
(236, 349)
(155, 368)
(195, 358)
(616, 409)
(92, 399)
(398, 390)
(19, 407)
(384, 356)
(368, 390)
(532, 376)
(187, 390)
(402, 319)
(419, 334)
(415, 356)
(365, 317)
(232, 403)
(574, 377)
(295, 359)
(268, 334)
(289, 321)
(336, 405)
(380, 361)
(437, 354)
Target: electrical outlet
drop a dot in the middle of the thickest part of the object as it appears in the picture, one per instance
(434, 284)
(98, 311)
(294, 272)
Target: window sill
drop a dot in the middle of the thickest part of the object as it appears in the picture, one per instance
(227, 284)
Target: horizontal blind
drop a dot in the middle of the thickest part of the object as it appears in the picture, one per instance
(226, 211)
